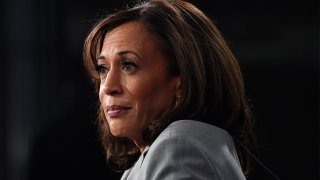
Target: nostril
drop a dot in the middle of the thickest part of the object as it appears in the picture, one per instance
(113, 93)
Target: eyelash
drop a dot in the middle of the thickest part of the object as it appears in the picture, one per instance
(101, 69)
(127, 66)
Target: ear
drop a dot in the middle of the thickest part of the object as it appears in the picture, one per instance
(178, 86)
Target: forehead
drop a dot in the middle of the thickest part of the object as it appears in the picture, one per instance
(135, 38)
(131, 27)
(131, 33)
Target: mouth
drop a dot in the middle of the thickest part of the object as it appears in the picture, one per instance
(115, 111)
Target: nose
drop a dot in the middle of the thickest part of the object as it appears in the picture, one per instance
(111, 85)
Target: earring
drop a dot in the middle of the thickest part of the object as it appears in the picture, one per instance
(177, 99)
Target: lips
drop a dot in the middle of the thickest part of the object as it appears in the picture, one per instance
(114, 111)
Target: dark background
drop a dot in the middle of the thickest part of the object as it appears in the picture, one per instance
(47, 128)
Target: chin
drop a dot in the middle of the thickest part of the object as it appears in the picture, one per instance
(117, 132)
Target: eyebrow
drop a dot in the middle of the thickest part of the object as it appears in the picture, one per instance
(121, 53)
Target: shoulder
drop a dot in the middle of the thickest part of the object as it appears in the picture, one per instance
(194, 131)
(204, 136)
(191, 149)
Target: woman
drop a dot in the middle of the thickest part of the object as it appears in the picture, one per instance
(171, 94)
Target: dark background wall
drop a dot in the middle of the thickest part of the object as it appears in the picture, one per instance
(47, 128)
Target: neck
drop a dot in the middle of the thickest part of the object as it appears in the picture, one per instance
(140, 144)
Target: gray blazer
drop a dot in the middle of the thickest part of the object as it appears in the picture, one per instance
(188, 149)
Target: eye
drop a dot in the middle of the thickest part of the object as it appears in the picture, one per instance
(129, 66)
(101, 69)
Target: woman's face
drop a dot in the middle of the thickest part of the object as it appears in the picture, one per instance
(135, 84)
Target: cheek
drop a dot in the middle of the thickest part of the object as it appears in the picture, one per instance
(100, 94)
(154, 96)
(145, 91)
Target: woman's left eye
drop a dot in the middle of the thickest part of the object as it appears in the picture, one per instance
(129, 66)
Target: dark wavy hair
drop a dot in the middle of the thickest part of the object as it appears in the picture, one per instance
(212, 88)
